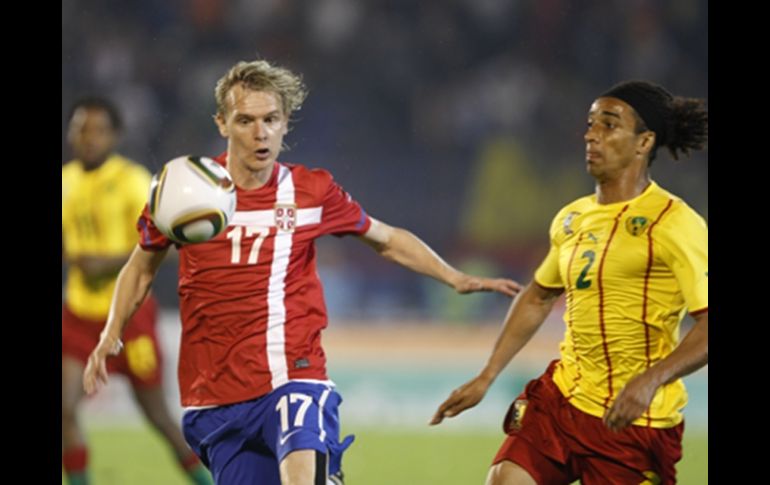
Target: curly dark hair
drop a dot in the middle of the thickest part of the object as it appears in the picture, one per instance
(680, 124)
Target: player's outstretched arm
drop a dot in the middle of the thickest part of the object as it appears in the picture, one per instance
(527, 313)
(690, 355)
(403, 247)
(132, 286)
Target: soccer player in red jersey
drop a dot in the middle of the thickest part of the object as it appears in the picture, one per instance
(632, 259)
(260, 407)
(101, 193)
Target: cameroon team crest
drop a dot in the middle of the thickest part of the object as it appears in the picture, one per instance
(652, 478)
(568, 222)
(286, 217)
(636, 225)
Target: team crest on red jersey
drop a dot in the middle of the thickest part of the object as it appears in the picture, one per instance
(286, 217)
(635, 225)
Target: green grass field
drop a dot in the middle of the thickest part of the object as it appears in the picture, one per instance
(134, 456)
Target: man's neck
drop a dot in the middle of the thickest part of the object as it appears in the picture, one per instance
(94, 164)
(621, 189)
(250, 179)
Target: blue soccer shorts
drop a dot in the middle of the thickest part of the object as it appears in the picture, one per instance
(244, 443)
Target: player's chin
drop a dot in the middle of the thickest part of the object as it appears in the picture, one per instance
(255, 163)
(592, 168)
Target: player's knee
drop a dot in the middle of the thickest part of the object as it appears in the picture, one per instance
(300, 468)
(508, 473)
(154, 409)
(494, 477)
(70, 429)
(160, 419)
(68, 415)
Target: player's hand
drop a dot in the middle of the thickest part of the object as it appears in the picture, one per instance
(470, 284)
(462, 398)
(95, 376)
(632, 401)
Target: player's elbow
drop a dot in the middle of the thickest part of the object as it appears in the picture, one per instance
(541, 295)
(134, 274)
(381, 237)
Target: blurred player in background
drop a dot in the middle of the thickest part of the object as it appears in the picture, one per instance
(102, 195)
(252, 371)
(632, 259)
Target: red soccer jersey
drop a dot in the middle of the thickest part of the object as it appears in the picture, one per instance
(251, 303)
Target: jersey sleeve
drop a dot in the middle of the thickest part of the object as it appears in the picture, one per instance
(341, 213)
(683, 238)
(150, 237)
(547, 274)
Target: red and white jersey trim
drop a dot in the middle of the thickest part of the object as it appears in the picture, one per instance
(266, 218)
(276, 320)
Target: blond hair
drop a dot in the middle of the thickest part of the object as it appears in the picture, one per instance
(262, 76)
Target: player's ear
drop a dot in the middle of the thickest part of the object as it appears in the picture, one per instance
(219, 119)
(646, 142)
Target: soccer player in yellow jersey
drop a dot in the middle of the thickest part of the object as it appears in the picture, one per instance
(632, 259)
(103, 193)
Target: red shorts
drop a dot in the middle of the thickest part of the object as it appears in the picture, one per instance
(557, 443)
(140, 359)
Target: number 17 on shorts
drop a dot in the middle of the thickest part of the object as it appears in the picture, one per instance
(306, 417)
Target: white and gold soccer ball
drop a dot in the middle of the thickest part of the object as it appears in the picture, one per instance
(192, 199)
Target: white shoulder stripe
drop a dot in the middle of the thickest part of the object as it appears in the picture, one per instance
(263, 218)
(311, 215)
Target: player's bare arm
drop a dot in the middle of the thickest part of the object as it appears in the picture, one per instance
(403, 247)
(131, 288)
(690, 355)
(525, 316)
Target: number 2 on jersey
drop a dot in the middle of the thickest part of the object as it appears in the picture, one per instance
(236, 235)
(583, 283)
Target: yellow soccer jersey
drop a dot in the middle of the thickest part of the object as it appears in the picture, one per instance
(99, 213)
(630, 270)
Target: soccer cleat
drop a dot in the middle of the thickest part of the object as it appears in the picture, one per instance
(336, 479)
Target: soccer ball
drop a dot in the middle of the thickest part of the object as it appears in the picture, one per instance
(192, 199)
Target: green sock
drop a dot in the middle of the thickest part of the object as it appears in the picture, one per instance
(199, 475)
(80, 478)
